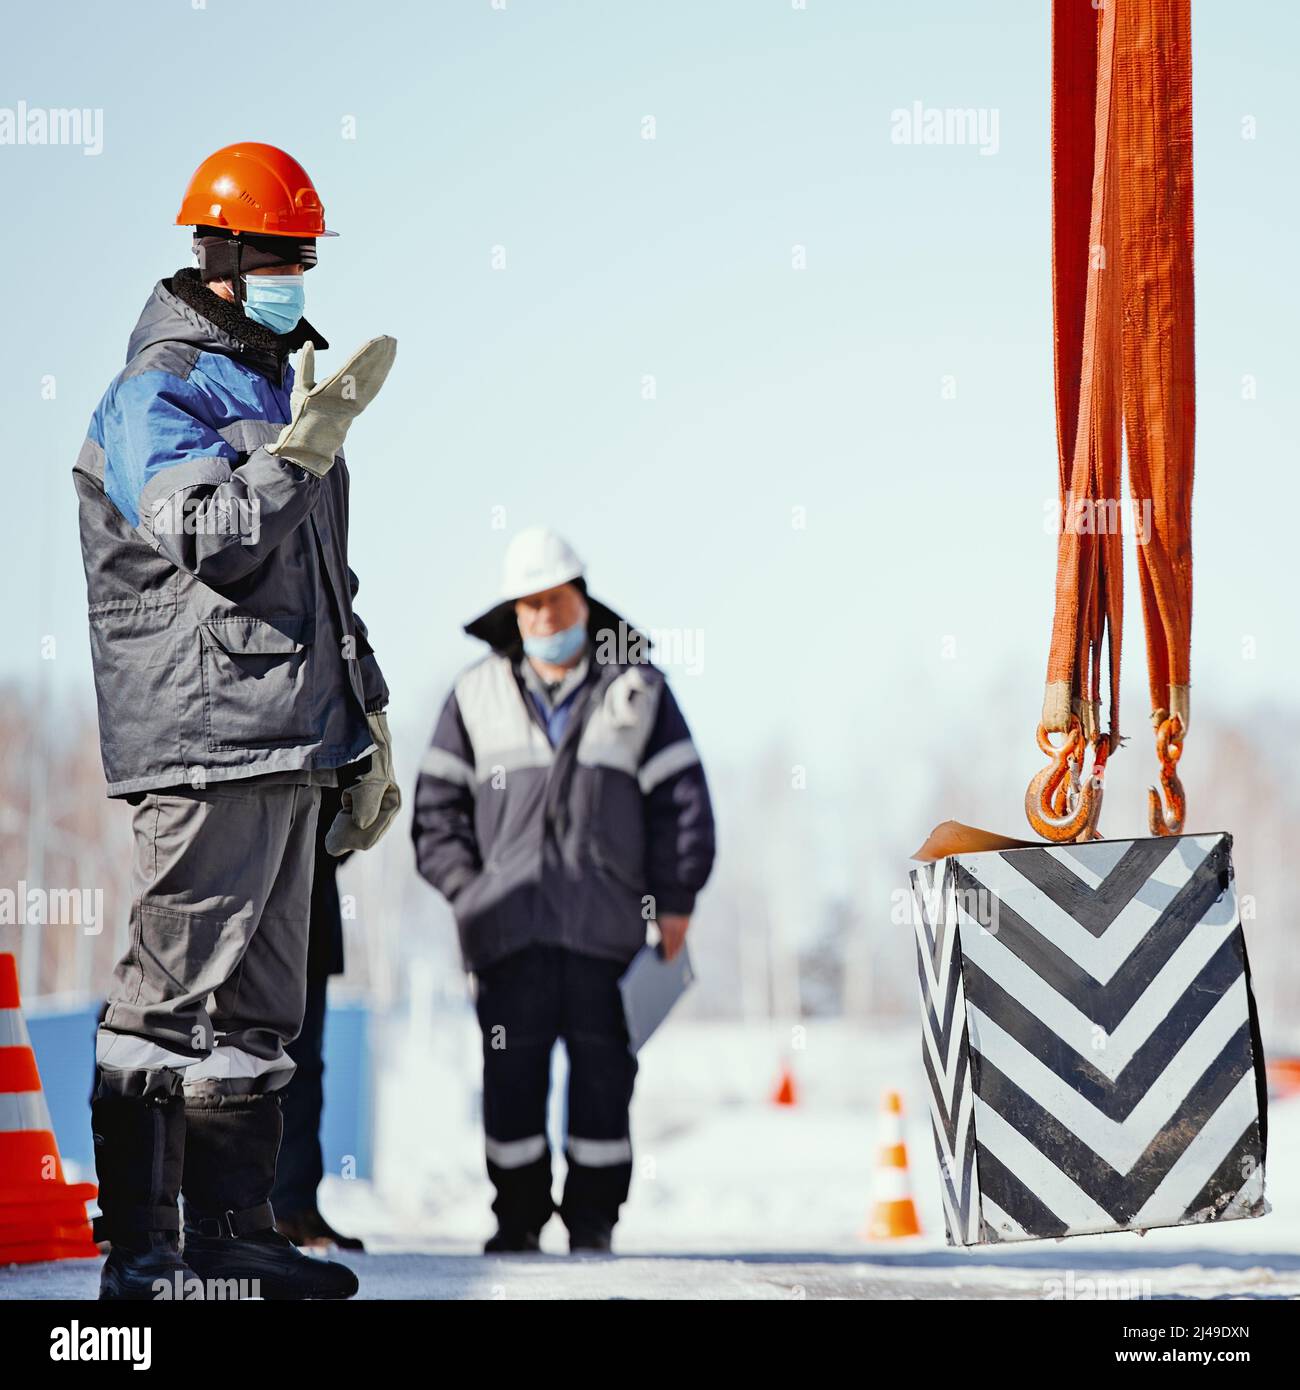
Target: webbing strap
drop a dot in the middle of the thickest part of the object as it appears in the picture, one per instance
(1155, 136)
(1089, 578)
(234, 1224)
(125, 1223)
(1124, 344)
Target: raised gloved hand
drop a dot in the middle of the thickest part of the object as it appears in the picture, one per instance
(320, 414)
(372, 801)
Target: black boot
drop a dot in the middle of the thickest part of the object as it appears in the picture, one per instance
(593, 1238)
(310, 1230)
(508, 1242)
(139, 1152)
(230, 1151)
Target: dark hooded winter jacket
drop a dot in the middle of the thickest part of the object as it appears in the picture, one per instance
(577, 845)
(220, 598)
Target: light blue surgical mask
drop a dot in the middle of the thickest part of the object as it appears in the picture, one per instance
(275, 301)
(558, 647)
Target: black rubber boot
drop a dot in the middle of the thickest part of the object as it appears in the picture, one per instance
(310, 1230)
(139, 1153)
(513, 1243)
(230, 1152)
(594, 1238)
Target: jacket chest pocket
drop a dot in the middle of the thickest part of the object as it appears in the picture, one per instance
(257, 682)
(616, 827)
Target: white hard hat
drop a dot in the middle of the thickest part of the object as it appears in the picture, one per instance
(536, 559)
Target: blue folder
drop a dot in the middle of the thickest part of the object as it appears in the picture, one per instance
(650, 987)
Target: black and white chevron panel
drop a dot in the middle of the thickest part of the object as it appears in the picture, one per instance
(945, 1047)
(1089, 1038)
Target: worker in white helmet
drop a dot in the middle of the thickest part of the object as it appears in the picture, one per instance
(561, 807)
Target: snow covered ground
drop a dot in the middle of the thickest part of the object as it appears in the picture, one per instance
(737, 1198)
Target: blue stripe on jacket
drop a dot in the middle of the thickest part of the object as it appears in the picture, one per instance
(152, 420)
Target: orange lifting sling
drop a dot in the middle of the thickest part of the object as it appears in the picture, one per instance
(1123, 318)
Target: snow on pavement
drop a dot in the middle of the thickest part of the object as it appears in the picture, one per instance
(736, 1198)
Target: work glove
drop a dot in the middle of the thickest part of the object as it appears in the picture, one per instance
(371, 802)
(320, 414)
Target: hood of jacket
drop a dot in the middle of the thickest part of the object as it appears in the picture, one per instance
(499, 628)
(182, 309)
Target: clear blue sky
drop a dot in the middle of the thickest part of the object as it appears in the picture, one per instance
(522, 389)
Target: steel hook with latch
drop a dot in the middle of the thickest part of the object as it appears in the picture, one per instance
(1057, 805)
(1166, 816)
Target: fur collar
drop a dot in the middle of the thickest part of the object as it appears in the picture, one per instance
(232, 321)
(499, 628)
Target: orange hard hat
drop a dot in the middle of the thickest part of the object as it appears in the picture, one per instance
(253, 188)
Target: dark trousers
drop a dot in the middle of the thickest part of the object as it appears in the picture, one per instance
(525, 1003)
(301, 1166)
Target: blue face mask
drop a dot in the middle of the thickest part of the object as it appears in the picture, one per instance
(275, 301)
(558, 647)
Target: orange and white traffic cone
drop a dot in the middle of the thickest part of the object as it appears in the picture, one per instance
(1283, 1077)
(786, 1092)
(42, 1217)
(893, 1213)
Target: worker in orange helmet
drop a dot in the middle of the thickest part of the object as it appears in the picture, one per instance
(234, 682)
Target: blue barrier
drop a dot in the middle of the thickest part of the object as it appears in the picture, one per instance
(64, 1043)
(63, 1040)
(347, 1125)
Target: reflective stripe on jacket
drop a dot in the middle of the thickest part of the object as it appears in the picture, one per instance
(577, 845)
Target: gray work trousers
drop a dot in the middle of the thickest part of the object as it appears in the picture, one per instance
(221, 899)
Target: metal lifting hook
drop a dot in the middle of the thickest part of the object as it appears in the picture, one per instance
(1169, 749)
(1056, 805)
